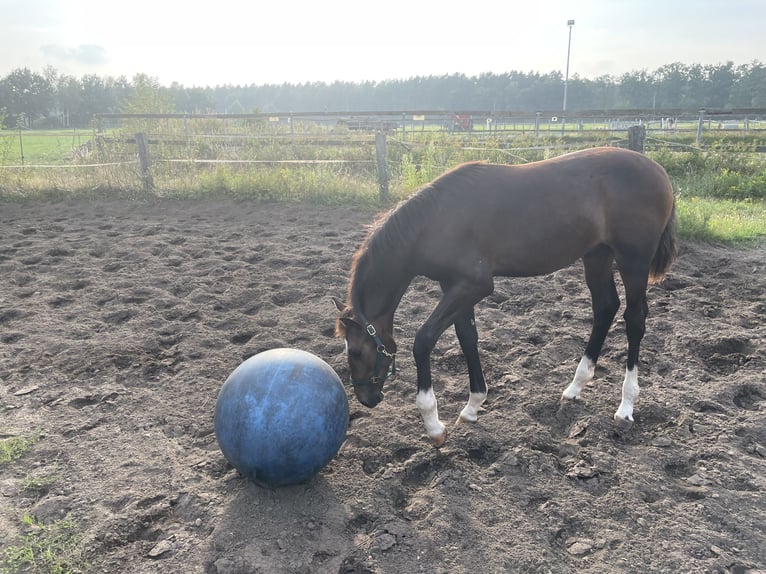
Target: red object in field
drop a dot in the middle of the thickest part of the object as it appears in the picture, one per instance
(462, 122)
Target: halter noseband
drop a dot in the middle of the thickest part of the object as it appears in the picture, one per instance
(382, 352)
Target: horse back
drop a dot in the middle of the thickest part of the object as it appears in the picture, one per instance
(535, 218)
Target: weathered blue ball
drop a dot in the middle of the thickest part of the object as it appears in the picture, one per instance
(281, 416)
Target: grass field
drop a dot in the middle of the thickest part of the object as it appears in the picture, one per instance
(721, 221)
(49, 147)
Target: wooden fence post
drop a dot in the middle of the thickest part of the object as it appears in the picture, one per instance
(699, 126)
(636, 138)
(21, 146)
(380, 154)
(99, 137)
(143, 159)
(537, 125)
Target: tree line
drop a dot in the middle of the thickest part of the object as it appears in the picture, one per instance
(51, 99)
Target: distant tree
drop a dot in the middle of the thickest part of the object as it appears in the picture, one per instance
(5, 97)
(70, 101)
(672, 83)
(749, 90)
(121, 90)
(721, 80)
(601, 93)
(98, 96)
(191, 100)
(27, 97)
(637, 90)
(148, 97)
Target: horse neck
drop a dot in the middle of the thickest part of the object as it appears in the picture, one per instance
(379, 292)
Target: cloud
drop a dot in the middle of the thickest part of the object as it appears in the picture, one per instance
(87, 54)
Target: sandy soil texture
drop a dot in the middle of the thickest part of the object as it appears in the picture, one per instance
(120, 321)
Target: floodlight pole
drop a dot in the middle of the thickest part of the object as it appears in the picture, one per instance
(570, 23)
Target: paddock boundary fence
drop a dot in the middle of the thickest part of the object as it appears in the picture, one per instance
(373, 142)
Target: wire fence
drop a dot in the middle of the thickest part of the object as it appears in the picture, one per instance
(171, 151)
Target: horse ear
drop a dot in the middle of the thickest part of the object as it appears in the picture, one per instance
(345, 322)
(349, 327)
(344, 310)
(346, 325)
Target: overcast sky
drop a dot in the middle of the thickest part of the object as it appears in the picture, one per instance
(297, 41)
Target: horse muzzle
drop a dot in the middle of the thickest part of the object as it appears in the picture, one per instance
(369, 396)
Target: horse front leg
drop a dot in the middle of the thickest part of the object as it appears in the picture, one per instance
(456, 304)
(429, 410)
(465, 328)
(425, 340)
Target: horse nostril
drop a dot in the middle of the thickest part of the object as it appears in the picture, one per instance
(370, 400)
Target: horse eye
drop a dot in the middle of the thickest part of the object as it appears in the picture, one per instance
(354, 353)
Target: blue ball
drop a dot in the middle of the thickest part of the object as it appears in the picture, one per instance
(281, 416)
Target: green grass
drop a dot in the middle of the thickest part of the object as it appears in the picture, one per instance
(41, 147)
(316, 184)
(43, 549)
(14, 447)
(721, 220)
(720, 197)
(36, 486)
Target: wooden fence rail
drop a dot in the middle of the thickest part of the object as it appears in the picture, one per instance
(133, 147)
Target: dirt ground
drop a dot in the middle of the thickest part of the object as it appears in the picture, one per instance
(120, 321)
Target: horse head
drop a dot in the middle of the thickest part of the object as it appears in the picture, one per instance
(371, 354)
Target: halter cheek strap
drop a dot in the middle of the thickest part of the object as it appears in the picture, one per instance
(382, 352)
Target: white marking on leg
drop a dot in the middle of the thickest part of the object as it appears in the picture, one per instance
(583, 375)
(470, 412)
(426, 403)
(630, 392)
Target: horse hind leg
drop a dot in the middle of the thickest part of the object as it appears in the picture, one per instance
(636, 311)
(605, 302)
(465, 328)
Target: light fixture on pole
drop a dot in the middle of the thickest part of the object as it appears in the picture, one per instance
(570, 23)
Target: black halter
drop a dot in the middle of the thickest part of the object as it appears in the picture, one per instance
(382, 352)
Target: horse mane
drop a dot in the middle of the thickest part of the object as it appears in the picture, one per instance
(393, 233)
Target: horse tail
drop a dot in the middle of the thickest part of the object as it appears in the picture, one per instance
(667, 250)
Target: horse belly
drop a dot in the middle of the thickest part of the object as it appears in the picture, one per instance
(530, 264)
(542, 248)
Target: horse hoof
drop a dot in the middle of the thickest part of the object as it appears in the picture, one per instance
(622, 424)
(439, 441)
(461, 420)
